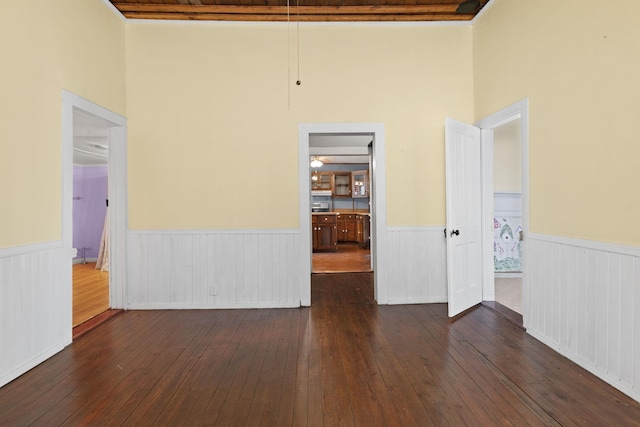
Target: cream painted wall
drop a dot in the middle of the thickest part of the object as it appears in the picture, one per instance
(213, 131)
(507, 170)
(46, 47)
(578, 66)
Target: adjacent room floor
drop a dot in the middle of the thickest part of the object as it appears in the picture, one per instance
(509, 292)
(348, 258)
(90, 292)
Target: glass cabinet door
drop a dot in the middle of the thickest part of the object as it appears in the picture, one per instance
(360, 180)
(321, 181)
(342, 185)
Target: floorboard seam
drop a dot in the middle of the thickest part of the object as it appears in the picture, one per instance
(521, 394)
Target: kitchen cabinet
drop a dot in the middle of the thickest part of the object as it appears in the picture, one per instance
(360, 184)
(363, 228)
(324, 229)
(322, 181)
(347, 227)
(342, 184)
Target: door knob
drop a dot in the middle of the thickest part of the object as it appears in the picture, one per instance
(456, 232)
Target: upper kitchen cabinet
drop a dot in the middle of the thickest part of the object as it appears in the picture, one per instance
(360, 181)
(342, 184)
(322, 181)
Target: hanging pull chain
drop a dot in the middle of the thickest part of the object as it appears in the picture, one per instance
(298, 82)
(288, 58)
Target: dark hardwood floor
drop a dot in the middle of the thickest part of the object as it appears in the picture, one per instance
(344, 361)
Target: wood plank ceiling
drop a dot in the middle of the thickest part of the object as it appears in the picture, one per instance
(301, 10)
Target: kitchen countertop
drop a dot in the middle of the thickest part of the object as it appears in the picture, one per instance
(338, 213)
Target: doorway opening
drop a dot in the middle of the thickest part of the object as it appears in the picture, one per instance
(90, 220)
(508, 126)
(507, 221)
(340, 170)
(372, 148)
(89, 129)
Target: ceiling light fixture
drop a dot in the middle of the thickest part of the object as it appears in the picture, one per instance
(468, 6)
(91, 153)
(316, 163)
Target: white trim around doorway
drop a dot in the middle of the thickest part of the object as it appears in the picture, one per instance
(117, 195)
(518, 110)
(379, 245)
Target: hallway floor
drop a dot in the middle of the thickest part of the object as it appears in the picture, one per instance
(509, 293)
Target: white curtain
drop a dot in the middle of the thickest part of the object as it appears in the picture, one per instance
(103, 252)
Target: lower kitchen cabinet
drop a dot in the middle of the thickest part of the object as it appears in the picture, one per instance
(329, 229)
(347, 225)
(324, 231)
(363, 229)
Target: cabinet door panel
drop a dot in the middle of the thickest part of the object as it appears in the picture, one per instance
(342, 185)
(327, 236)
(342, 236)
(366, 231)
(350, 231)
(360, 183)
(362, 230)
(321, 181)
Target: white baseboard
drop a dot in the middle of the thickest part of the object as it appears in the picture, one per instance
(501, 275)
(429, 300)
(212, 306)
(86, 260)
(28, 365)
(585, 364)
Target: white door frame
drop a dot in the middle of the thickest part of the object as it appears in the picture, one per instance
(518, 110)
(117, 179)
(379, 240)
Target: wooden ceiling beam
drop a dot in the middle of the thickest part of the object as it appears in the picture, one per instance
(279, 10)
(280, 17)
(294, 18)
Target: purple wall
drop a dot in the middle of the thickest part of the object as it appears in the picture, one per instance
(89, 208)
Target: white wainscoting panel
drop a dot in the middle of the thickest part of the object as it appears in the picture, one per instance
(35, 307)
(214, 269)
(417, 271)
(583, 300)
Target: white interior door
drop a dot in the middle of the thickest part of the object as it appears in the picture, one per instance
(464, 215)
